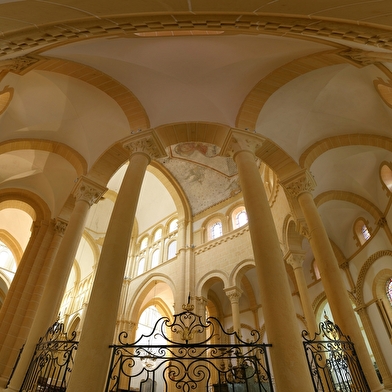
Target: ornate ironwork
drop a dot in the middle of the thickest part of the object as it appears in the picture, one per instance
(188, 354)
(52, 361)
(332, 360)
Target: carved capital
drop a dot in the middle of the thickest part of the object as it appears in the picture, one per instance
(201, 301)
(295, 259)
(88, 191)
(18, 64)
(238, 140)
(147, 143)
(382, 222)
(60, 226)
(366, 57)
(234, 294)
(300, 182)
(303, 229)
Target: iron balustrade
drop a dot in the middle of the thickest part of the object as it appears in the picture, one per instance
(332, 360)
(189, 354)
(52, 362)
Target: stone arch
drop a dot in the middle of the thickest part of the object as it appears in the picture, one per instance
(26, 201)
(66, 152)
(204, 284)
(254, 102)
(362, 273)
(135, 303)
(351, 198)
(133, 110)
(239, 271)
(317, 149)
(292, 239)
(12, 244)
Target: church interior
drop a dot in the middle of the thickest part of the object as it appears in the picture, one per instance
(234, 155)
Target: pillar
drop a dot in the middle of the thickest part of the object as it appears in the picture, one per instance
(86, 193)
(93, 356)
(20, 305)
(299, 187)
(375, 346)
(296, 261)
(234, 294)
(287, 354)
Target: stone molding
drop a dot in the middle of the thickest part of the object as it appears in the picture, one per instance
(44, 36)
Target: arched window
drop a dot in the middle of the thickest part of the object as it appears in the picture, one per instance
(173, 226)
(172, 250)
(158, 234)
(388, 289)
(155, 258)
(239, 217)
(362, 231)
(144, 243)
(386, 175)
(216, 230)
(140, 267)
(316, 271)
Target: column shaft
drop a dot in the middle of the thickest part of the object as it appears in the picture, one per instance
(21, 306)
(296, 262)
(56, 281)
(92, 359)
(334, 287)
(287, 353)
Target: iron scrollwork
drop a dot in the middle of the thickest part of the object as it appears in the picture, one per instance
(187, 353)
(333, 361)
(52, 361)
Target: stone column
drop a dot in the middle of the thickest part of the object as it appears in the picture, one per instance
(234, 294)
(16, 305)
(35, 296)
(93, 356)
(299, 187)
(287, 354)
(296, 260)
(201, 305)
(375, 346)
(86, 193)
(185, 275)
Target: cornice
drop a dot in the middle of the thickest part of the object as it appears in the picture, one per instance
(60, 32)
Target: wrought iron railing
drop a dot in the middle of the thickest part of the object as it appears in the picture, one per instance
(332, 360)
(188, 354)
(52, 361)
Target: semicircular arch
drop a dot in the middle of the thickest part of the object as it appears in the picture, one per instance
(66, 152)
(205, 283)
(350, 198)
(317, 149)
(135, 303)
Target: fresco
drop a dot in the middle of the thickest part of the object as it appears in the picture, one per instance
(206, 177)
